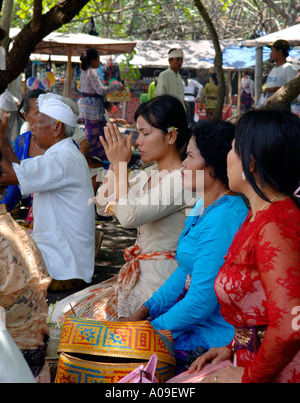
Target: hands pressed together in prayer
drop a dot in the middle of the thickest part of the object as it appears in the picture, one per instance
(224, 375)
(117, 150)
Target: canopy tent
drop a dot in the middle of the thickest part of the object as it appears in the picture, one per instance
(291, 34)
(69, 44)
(197, 54)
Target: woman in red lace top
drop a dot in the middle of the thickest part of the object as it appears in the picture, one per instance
(258, 286)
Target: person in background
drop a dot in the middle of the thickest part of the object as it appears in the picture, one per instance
(190, 88)
(247, 92)
(25, 147)
(10, 100)
(282, 72)
(91, 105)
(187, 304)
(152, 85)
(258, 286)
(64, 226)
(209, 96)
(169, 81)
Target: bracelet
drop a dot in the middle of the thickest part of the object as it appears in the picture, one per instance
(121, 172)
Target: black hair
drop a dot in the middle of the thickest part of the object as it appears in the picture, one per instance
(164, 112)
(87, 57)
(185, 75)
(271, 138)
(25, 105)
(214, 141)
(31, 95)
(214, 77)
(171, 50)
(285, 52)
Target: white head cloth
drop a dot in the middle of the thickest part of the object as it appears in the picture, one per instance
(53, 106)
(175, 53)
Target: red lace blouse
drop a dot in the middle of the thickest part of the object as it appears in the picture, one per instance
(259, 285)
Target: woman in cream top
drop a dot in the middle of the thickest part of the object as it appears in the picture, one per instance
(153, 201)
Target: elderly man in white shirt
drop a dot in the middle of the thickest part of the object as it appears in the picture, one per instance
(64, 225)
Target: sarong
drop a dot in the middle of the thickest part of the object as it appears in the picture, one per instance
(246, 100)
(102, 301)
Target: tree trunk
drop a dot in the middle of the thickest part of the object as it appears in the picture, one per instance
(37, 15)
(26, 41)
(218, 59)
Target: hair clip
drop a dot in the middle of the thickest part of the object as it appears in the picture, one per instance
(172, 128)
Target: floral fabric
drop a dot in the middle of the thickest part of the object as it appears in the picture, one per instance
(259, 285)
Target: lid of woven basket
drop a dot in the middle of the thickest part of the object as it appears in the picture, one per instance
(137, 340)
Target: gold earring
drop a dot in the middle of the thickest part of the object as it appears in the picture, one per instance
(212, 173)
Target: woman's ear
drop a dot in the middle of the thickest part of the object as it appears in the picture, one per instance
(172, 136)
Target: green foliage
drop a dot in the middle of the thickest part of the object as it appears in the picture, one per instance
(166, 19)
(127, 70)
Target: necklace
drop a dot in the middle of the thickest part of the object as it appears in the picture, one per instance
(224, 193)
(274, 198)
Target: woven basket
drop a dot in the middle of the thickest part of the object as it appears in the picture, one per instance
(96, 351)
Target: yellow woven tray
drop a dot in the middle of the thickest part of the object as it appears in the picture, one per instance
(134, 340)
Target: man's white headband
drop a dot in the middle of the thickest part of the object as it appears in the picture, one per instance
(175, 53)
(53, 106)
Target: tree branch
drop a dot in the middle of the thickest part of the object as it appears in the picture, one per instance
(26, 41)
(218, 59)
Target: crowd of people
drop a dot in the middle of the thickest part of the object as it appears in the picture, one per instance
(217, 256)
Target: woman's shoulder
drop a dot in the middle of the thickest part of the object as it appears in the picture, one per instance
(232, 204)
(283, 214)
(227, 210)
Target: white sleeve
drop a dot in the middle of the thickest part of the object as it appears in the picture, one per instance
(290, 73)
(39, 174)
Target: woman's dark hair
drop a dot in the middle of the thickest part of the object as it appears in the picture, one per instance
(164, 112)
(25, 105)
(185, 76)
(272, 139)
(214, 77)
(214, 141)
(87, 57)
